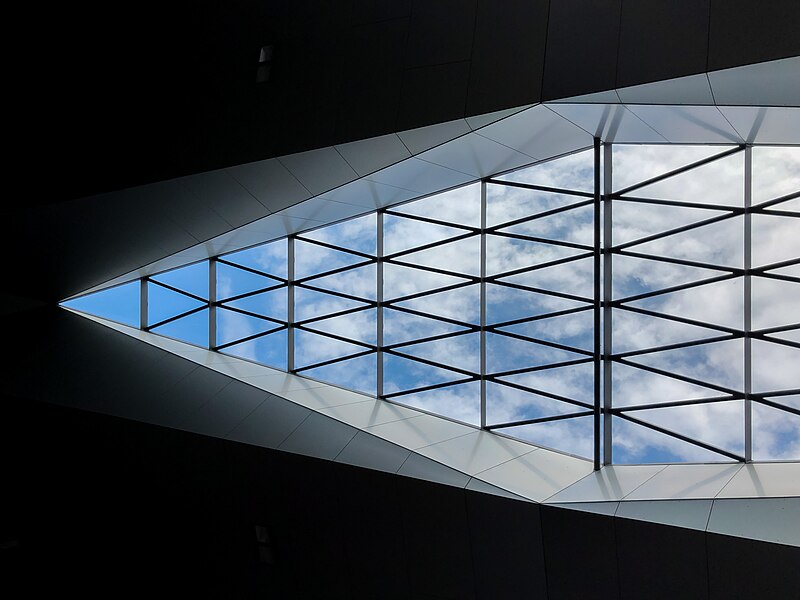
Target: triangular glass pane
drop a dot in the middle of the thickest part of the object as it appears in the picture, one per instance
(775, 173)
(309, 304)
(401, 233)
(575, 278)
(575, 172)
(720, 182)
(461, 304)
(775, 302)
(505, 204)
(719, 424)
(270, 258)
(461, 205)
(776, 434)
(505, 353)
(775, 367)
(720, 243)
(791, 400)
(791, 205)
(575, 330)
(506, 404)
(575, 225)
(791, 335)
(775, 239)
(269, 350)
(360, 282)
(633, 331)
(270, 304)
(356, 374)
(312, 348)
(119, 303)
(359, 234)
(462, 256)
(461, 402)
(633, 276)
(504, 255)
(360, 326)
(462, 352)
(232, 326)
(719, 363)
(572, 436)
(718, 303)
(401, 373)
(232, 281)
(311, 259)
(192, 329)
(791, 270)
(633, 164)
(399, 327)
(636, 220)
(191, 278)
(575, 382)
(399, 281)
(506, 304)
(163, 303)
(632, 386)
(636, 444)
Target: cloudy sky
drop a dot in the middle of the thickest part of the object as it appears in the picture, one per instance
(776, 172)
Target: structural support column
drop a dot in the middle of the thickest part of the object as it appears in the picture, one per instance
(143, 304)
(290, 304)
(597, 287)
(483, 304)
(212, 303)
(748, 300)
(379, 308)
(607, 298)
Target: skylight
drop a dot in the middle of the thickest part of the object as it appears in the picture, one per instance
(483, 304)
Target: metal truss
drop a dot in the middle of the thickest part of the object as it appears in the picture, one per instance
(599, 300)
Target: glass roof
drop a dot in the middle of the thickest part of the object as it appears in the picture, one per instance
(484, 305)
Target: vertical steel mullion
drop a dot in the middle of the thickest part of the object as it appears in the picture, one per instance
(596, 309)
(607, 298)
(483, 304)
(290, 303)
(379, 298)
(143, 300)
(748, 324)
(212, 303)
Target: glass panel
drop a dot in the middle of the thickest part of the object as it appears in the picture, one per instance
(164, 304)
(505, 404)
(232, 281)
(120, 303)
(269, 350)
(461, 206)
(633, 164)
(776, 173)
(635, 444)
(460, 402)
(720, 182)
(776, 434)
(192, 279)
(575, 172)
(359, 234)
(233, 326)
(573, 436)
(269, 258)
(355, 374)
(192, 329)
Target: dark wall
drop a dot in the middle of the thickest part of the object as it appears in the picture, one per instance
(111, 96)
(109, 507)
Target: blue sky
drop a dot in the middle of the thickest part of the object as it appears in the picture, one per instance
(776, 172)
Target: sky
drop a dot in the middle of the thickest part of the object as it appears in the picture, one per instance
(776, 172)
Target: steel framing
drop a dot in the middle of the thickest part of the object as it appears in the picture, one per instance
(601, 302)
